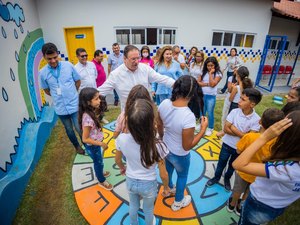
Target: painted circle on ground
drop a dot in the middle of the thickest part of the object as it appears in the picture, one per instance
(99, 206)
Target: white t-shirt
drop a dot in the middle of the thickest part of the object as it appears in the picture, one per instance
(243, 123)
(181, 58)
(88, 74)
(281, 187)
(237, 96)
(123, 80)
(175, 119)
(195, 70)
(131, 150)
(233, 62)
(210, 90)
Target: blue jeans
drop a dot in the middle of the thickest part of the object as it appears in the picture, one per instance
(96, 155)
(255, 212)
(181, 164)
(141, 188)
(229, 74)
(116, 95)
(226, 152)
(69, 121)
(209, 107)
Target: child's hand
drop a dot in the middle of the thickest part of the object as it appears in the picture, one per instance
(276, 129)
(166, 192)
(204, 122)
(104, 146)
(123, 171)
(212, 71)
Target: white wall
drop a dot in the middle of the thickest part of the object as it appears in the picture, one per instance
(194, 19)
(281, 26)
(13, 111)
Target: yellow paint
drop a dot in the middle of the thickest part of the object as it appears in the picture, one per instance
(185, 222)
(204, 151)
(108, 138)
(72, 43)
(42, 63)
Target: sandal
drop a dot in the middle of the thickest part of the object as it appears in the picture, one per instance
(106, 174)
(106, 185)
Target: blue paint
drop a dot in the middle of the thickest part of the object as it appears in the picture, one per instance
(12, 75)
(197, 164)
(207, 200)
(16, 34)
(17, 56)
(4, 94)
(21, 29)
(110, 126)
(3, 32)
(33, 137)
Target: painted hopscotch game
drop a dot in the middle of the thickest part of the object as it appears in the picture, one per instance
(100, 206)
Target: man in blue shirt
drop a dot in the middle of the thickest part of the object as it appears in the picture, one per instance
(60, 80)
(114, 61)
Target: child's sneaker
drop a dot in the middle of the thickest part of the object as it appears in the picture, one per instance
(183, 203)
(208, 132)
(227, 184)
(211, 182)
(154, 220)
(238, 208)
(106, 185)
(229, 207)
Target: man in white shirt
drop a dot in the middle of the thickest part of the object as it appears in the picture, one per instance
(87, 70)
(132, 73)
(178, 57)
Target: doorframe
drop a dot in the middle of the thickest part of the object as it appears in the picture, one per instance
(276, 65)
(78, 27)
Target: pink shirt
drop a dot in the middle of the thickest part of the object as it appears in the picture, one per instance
(149, 62)
(120, 123)
(101, 73)
(95, 133)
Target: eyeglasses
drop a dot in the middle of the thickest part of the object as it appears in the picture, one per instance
(83, 56)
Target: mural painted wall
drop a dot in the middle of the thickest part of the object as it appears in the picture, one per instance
(26, 120)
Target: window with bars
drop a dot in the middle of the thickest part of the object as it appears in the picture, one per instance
(236, 39)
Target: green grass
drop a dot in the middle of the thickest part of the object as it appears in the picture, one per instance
(49, 197)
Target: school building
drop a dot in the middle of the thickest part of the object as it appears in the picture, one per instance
(266, 34)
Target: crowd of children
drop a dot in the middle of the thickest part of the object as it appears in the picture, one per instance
(262, 152)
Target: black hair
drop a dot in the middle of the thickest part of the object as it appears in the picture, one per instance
(271, 116)
(97, 53)
(80, 50)
(213, 60)
(146, 48)
(254, 95)
(184, 87)
(297, 89)
(243, 73)
(234, 50)
(128, 49)
(287, 143)
(140, 123)
(115, 44)
(290, 107)
(86, 95)
(49, 48)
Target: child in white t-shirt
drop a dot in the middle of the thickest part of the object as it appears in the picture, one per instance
(278, 181)
(137, 92)
(239, 122)
(176, 125)
(143, 151)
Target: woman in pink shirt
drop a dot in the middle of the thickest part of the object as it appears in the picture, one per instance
(98, 57)
(145, 56)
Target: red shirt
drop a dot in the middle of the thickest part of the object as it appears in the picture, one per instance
(101, 73)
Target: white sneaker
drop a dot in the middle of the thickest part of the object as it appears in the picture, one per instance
(208, 132)
(183, 203)
(154, 220)
(105, 121)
